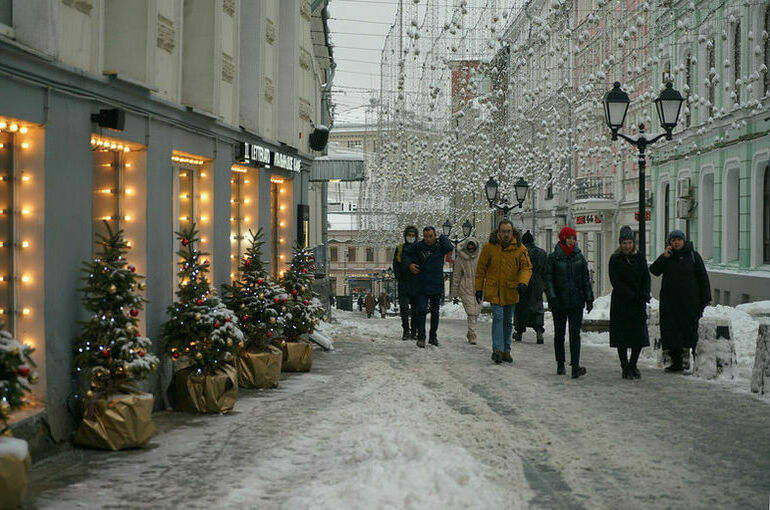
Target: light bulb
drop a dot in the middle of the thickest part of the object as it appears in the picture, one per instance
(26, 278)
(23, 130)
(26, 311)
(128, 218)
(25, 244)
(3, 125)
(24, 145)
(204, 196)
(24, 178)
(14, 128)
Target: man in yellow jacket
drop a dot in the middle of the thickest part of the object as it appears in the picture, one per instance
(503, 271)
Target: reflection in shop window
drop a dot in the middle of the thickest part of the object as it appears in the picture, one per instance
(244, 193)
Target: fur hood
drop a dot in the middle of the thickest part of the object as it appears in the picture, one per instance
(463, 251)
(494, 239)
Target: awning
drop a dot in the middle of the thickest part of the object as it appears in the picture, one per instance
(338, 166)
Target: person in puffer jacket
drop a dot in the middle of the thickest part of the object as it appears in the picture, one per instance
(463, 280)
(568, 287)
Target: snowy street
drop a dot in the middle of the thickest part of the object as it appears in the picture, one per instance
(379, 423)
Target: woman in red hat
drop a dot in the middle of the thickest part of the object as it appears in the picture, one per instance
(568, 288)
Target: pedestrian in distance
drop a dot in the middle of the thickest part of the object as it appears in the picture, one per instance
(529, 312)
(463, 284)
(502, 274)
(384, 303)
(360, 303)
(630, 280)
(425, 260)
(685, 291)
(568, 288)
(407, 299)
(369, 304)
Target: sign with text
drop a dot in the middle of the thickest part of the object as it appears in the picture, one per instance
(588, 219)
(255, 154)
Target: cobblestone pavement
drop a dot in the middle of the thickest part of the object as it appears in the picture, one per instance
(380, 423)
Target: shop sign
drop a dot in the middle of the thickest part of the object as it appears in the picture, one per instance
(252, 153)
(588, 219)
(287, 162)
(647, 215)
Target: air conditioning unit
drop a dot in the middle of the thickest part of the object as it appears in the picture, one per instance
(683, 208)
(684, 188)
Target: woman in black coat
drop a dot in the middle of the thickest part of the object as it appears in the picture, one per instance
(628, 307)
(684, 293)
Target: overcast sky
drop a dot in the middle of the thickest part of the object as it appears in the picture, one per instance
(358, 44)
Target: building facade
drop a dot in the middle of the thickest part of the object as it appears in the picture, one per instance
(153, 116)
(714, 184)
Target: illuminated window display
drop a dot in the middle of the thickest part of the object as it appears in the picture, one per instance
(280, 221)
(244, 208)
(193, 189)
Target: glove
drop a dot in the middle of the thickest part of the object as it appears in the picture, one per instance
(589, 306)
(455, 300)
(522, 288)
(479, 295)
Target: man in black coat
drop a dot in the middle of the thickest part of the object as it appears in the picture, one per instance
(529, 311)
(425, 260)
(684, 293)
(407, 300)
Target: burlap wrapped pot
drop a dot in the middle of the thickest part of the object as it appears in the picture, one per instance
(214, 393)
(119, 422)
(259, 367)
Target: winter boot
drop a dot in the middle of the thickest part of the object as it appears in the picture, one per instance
(635, 373)
(507, 357)
(676, 366)
(578, 371)
(433, 341)
(517, 336)
(471, 337)
(540, 337)
(421, 343)
(406, 335)
(625, 369)
(497, 357)
(560, 370)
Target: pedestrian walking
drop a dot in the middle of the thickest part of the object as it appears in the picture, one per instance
(568, 288)
(684, 293)
(369, 304)
(331, 300)
(463, 284)
(630, 280)
(529, 312)
(502, 273)
(384, 303)
(360, 303)
(425, 260)
(407, 299)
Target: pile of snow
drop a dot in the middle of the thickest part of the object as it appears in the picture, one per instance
(12, 447)
(322, 336)
(744, 331)
(756, 309)
(601, 309)
(450, 310)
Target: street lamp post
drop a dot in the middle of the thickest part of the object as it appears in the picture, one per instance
(492, 190)
(668, 104)
(467, 228)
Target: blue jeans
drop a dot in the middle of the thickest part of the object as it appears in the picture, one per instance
(502, 327)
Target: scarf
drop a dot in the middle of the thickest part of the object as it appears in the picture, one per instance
(567, 249)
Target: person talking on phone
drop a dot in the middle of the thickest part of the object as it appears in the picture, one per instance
(684, 293)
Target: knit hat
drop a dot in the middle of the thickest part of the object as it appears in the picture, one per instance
(675, 233)
(626, 234)
(567, 232)
(527, 238)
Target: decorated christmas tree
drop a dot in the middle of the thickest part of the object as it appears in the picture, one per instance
(16, 376)
(255, 298)
(303, 308)
(110, 351)
(200, 326)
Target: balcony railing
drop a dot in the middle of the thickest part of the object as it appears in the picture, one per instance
(587, 188)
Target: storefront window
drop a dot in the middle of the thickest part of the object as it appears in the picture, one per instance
(193, 189)
(280, 203)
(244, 201)
(21, 238)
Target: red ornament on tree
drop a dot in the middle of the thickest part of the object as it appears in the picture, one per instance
(217, 324)
(185, 242)
(199, 302)
(269, 334)
(294, 292)
(307, 302)
(132, 269)
(227, 319)
(141, 354)
(245, 318)
(175, 355)
(304, 270)
(24, 371)
(137, 334)
(259, 281)
(277, 300)
(105, 353)
(285, 299)
(247, 262)
(134, 312)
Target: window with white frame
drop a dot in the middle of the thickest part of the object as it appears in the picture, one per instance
(730, 216)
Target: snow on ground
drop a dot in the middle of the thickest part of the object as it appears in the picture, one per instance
(12, 447)
(456, 311)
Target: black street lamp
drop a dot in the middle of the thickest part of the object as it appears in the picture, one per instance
(467, 228)
(668, 105)
(492, 190)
